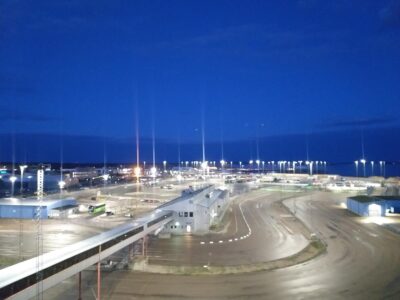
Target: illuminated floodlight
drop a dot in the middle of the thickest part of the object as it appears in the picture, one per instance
(137, 171)
(222, 162)
(204, 164)
(106, 176)
(153, 171)
(61, 184)
(13, 179)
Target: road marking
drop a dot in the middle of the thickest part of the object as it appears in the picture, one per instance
(211, 242)
(202, 243)
(220, 242)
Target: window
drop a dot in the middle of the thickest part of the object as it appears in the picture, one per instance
(191, 214)
(181, 214)
(186, 214)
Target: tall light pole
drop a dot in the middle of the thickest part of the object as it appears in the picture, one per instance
(258, 165)
(222, 162)
(300, 162)
(240, 165)
(61, 185)
(22, 169)
(263, 166)
(250, 164)
(372, 168)
(356, 163)
(294, 167)
(363, 161)
(12, 179)
(165, 165)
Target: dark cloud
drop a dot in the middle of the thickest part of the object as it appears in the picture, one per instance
(367, 122)
(390, 14)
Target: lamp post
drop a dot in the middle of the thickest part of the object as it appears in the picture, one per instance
(22, 169)
(294, 167)
(153, 173)
(137, 173)
(258, 165)
(12, 179)
(363, 161)
(165, 165)
(300, 162)
(372, 168)
(222, 162)
(263, 166)
(240, 165)
(61, 185)
(356, 163)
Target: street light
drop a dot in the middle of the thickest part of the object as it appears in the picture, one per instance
(22, 169)
(12, 179)
(263, 166)
(372, 168)
(165, 165)
(250, 163)
(356, 163)
(294, 167)
(300, 162)
(363, 161)
(258, 165)
(240, 165)
(137, 172)
(382, 168)
(61, 184)
(222, 162)
(153, 172)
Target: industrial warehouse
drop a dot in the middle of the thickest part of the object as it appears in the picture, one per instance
(373, 206)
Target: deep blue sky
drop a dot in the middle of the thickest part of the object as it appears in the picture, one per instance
(74, 69)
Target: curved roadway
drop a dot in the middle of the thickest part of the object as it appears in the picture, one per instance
(362, 262)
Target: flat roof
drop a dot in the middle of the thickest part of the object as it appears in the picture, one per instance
(366, 199)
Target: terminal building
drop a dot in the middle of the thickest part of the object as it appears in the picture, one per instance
(12, 208)
(196, 210)
(373, 206)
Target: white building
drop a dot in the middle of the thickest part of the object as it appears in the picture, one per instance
(196, 211)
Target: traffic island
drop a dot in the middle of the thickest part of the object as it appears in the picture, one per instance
(315, 248)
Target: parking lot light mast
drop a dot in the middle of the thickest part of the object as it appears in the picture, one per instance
(22, 169)
(356, 164)
(363, 161)
(12, 179)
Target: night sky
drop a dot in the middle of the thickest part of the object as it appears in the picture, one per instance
(302, 77)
